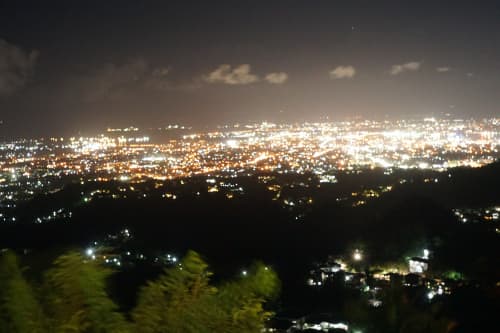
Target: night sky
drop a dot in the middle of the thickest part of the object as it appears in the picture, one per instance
(80, 66)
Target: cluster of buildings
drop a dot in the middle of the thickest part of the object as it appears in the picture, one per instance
(32, 166)
(117, 250)
(489, 216)
(478, 214)
(372, 282)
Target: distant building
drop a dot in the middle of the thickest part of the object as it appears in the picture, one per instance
(319, 322)
(331, 267)
(418, 265)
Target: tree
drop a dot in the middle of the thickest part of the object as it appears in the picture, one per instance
(168, 301)
(20, 310)
(242, 301)
(182, 300)
(73, 298)
(76, 298)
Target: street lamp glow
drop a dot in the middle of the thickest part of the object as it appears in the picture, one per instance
(357, 256)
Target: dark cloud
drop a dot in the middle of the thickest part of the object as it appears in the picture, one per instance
(111, 80)
(16, 67)
(114, 81)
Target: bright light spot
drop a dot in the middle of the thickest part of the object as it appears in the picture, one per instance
(357, 255)
(417, 266)
(89, 252)
(340, 326)
(375, 302)
(232, 143)
(423, 165)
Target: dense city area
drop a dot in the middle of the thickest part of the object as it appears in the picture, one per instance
(323, 149)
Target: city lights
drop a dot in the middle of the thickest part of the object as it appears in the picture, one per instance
(30, 167)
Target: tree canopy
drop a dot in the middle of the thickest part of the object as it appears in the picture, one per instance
(72, 297)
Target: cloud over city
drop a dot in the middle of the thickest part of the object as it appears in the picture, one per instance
(343, 72)
(238, 75)
(407, 67)
(443, 69)
(16, 67)
(277, 78)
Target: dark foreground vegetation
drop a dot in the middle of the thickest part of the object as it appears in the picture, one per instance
(72, 296)
(417, 213)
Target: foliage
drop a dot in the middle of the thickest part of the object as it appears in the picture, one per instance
(76, 298)
(73, 298)
(20, 311)
(183, 300)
